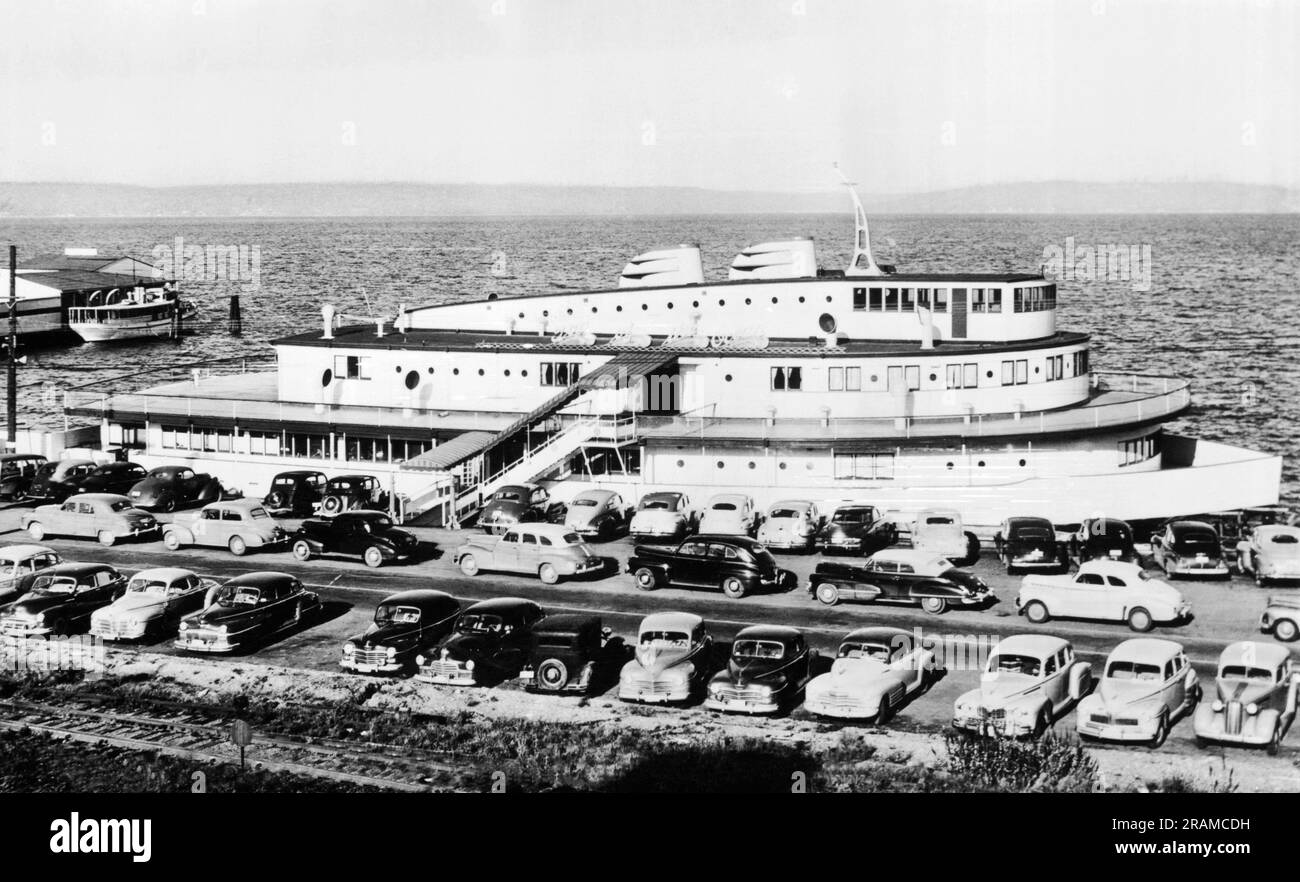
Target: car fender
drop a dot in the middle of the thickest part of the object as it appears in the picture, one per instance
(182, 533)
(317, 546)
(1080, 673)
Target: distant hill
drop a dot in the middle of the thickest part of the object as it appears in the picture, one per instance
(450, 200)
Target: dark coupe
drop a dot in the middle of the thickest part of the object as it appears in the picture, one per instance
(1101, 538)
(113, 477)
(405, 625)
(371, 534)
(902, 576)
(768, 667)
(56, 481)
(168, 488)
(1027, 543)
(492, 641)
(61, 600)
(295, 493)
(346, 492)
(519, 504)
(855, 529)
(571, 653)
(736, 565)
(247, 610)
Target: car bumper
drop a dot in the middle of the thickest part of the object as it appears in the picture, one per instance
(646, 693)
(204, 643)
(787, 543)
(106, 629)
(14, 631)
(736, 705)
(363, 667)
(840, 710)
(446, 674)
(1142, 730)
(838, 544)
(1191, 569)
(1010, 727)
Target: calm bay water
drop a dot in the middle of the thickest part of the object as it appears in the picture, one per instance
(1222, 308)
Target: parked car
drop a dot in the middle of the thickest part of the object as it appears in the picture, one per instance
(296, 493)
(1103, 590)
(237, 524)
(768, 667)
(672, 659)
(549, 551)
(664, 516)
(1270, 554)
(1103, 538)
(247, 610)
(729, 514)
(597, 514)
(790, 525)
(1029, 681)
(17, 470)
(1029, 543)
(112, 477)
(103, 516)
(492, 641)
(18, 563)
(1254, 698)
(56, 481)
(168, 488)
(405, 625)
(1146, 687)
(370, 534)
(900, 575)
(61, 600)
(855, 528)
(874, 673)
(517, 504)
(940, 531)
(1188, 548)
(154, 602)
(733, 564)
(347, 492)
(1281, 617)
(572, 652)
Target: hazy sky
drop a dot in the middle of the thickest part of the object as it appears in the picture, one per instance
(737, 94)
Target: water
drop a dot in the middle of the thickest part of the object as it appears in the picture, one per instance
(1222, 308)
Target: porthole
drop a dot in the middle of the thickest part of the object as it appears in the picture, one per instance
(722, 303)
(827, 323)
(644, 306)
(398, 369)
(801, 298)
(1037, 370)
(950, 465)
(545, 313)
(327, 377)
(933, 377)
(980, 463)
(727, 378)
(430, 371)
(521, 315)
(752, 464)
(989, 374)
(412, 379)
(748, 302)
(507, 372)
(455, 372)
(480, 372)
(618, 308)
(1022, 463)
(670, 304)
(568, 312)
(523, 373)
(594, 309)
(875, 378)
(681, 463)
(695, 304)
(721, 464)
(828, 298)
(781, 466)
(775, 300)
(808, 467)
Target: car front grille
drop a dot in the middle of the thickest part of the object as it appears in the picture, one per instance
(370, 657)
(1232, 715)
(995, 714)
(732, 692)
(113, 627)
(1104, 719)
(839, 699)
(448, 670)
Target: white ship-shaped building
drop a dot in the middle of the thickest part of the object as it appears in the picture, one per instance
(784, 381)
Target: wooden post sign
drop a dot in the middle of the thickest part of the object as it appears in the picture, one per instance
(241, 735)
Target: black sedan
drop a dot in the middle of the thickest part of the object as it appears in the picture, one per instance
(1102, 538)
(246, 610)
(370, 534)
(900, 576)
(855, 529)
(61, 600)
(768, 667)
(571, 652)
(168, 488)
(1027, 543)
(492, 641)
(736, 565)
(405, 625)
(113, 477)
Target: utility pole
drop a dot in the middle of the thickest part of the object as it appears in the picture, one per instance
(11, 441)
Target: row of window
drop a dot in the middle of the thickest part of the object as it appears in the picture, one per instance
(869, 466)
(987, 300)
(1139, 449)
(560, 373)
(957, 376)
(300, 445)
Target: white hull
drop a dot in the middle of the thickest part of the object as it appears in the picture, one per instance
(125, 330)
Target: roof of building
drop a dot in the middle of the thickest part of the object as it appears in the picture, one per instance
(75, 261)
(74, 280)
(449, 453)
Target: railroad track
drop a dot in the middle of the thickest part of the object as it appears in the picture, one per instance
(193, 732)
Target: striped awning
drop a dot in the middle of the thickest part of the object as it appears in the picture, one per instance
(624, 367)
(451, 453)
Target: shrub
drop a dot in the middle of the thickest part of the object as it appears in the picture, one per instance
(1052, 763)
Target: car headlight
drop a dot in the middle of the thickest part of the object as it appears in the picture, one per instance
(469, 665)
(349, 648)
(420, 660)
(392, 652)
(1252, 708)
(185, 626)
(1217, 706)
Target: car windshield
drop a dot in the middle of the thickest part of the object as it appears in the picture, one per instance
(939, 520)
(1284, 539)
(55, 585)
(864, 650)
(658, 504)
(785, 513)
(583, 503)
(481, 623)
(376, 523)
(1112, 530)
(853, 515)
(769, 649)
(238, 595)
(258, 513)
(509, 495)
(674, 639)
(1037, 534)
(1131, 670)
(147, 586)
(120, 505)
(1200, 539)
(1244, 672)
(571, 539)
(388, 614)
(724, 506)
(1014, 664)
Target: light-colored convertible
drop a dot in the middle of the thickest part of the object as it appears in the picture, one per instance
(154, 602)
(549, 551)
(1029, 681)
(1103, 590)
(237, 524)
(1148, 685)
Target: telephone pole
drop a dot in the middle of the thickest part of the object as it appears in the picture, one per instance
(11, 441)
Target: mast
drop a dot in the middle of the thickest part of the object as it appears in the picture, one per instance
(862, 264)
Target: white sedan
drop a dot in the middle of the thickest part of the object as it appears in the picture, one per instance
(1103, 590)
(1148, 685)
(155, 600)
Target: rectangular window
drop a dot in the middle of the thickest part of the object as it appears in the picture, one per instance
(923, 297)
(859, 298)
(1022, 372)
(913, 377)
(877, 299)
(864, 466)
(891, 300)
(835, 379)
(909, 301)
(976, 299)
(787, 379)
(952, 376)
(1008, 373)
(1019, 300)
(970, 375)
(853, 379)
(940, 299)
(547, 373)
(351, 367)
(995, 299)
